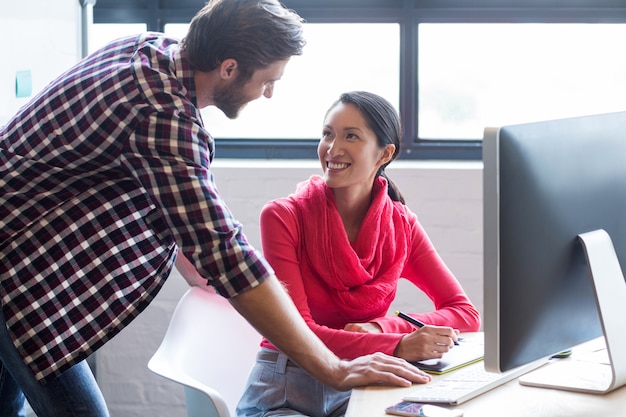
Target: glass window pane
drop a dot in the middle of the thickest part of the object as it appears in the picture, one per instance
(102, 33)
(476, 75)
(176, 30)
(337, 58)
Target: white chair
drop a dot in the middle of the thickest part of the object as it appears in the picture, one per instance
(208, 348)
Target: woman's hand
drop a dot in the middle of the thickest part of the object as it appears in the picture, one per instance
(429, 342)
(363, 328)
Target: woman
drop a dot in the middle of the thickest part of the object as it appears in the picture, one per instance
(339, 245)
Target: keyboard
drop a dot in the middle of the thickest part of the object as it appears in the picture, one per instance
(464, 384)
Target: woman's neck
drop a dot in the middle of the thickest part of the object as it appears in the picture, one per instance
(352, 207)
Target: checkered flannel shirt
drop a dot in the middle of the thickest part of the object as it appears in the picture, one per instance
(103, 176)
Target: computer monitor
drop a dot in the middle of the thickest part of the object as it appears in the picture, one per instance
(546, 183)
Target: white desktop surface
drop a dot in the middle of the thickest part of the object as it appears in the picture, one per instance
(508, 400)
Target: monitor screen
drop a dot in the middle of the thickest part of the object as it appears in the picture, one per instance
(544, 184)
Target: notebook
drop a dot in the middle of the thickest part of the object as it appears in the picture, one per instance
(471, 349)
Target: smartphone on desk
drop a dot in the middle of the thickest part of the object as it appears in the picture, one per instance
(412, 409)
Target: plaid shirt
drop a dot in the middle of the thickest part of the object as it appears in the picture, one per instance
(103, 176)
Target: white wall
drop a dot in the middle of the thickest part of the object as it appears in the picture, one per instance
(446, 196)
(40, 36)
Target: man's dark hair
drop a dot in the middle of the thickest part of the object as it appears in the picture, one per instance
(256, 33)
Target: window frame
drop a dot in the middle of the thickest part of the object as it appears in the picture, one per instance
(408, 14)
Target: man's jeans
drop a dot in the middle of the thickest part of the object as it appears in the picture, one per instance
(73, 394)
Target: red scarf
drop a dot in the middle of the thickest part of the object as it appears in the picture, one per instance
(364, 275)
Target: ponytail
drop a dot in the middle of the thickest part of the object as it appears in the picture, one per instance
(392, 189)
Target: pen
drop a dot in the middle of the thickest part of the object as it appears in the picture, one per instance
(410, 319)
(414, 322)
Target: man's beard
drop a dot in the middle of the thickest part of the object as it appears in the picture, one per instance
(231, 99)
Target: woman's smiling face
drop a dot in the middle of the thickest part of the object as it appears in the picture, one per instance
(348, 150)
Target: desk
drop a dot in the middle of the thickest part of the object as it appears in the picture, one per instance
(508, 400)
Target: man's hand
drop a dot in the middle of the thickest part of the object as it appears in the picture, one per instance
(379, 369)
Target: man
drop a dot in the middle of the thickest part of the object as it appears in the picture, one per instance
(104, 178)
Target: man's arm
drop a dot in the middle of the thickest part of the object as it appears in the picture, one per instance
(270, 310)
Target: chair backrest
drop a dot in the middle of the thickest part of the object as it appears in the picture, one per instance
(208, 348)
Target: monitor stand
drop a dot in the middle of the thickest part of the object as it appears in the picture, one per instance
(596, 371)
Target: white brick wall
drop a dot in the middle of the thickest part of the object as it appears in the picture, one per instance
(447, 198)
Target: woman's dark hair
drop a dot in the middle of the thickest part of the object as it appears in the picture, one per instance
(256, 33)
(385, 122)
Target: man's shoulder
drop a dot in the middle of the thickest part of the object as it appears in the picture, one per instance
(162, 74)
(158, 41)
(155, 50)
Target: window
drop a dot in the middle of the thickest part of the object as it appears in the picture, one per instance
(339, 57)
(101, 34)
(477, 75)
(451, 66)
